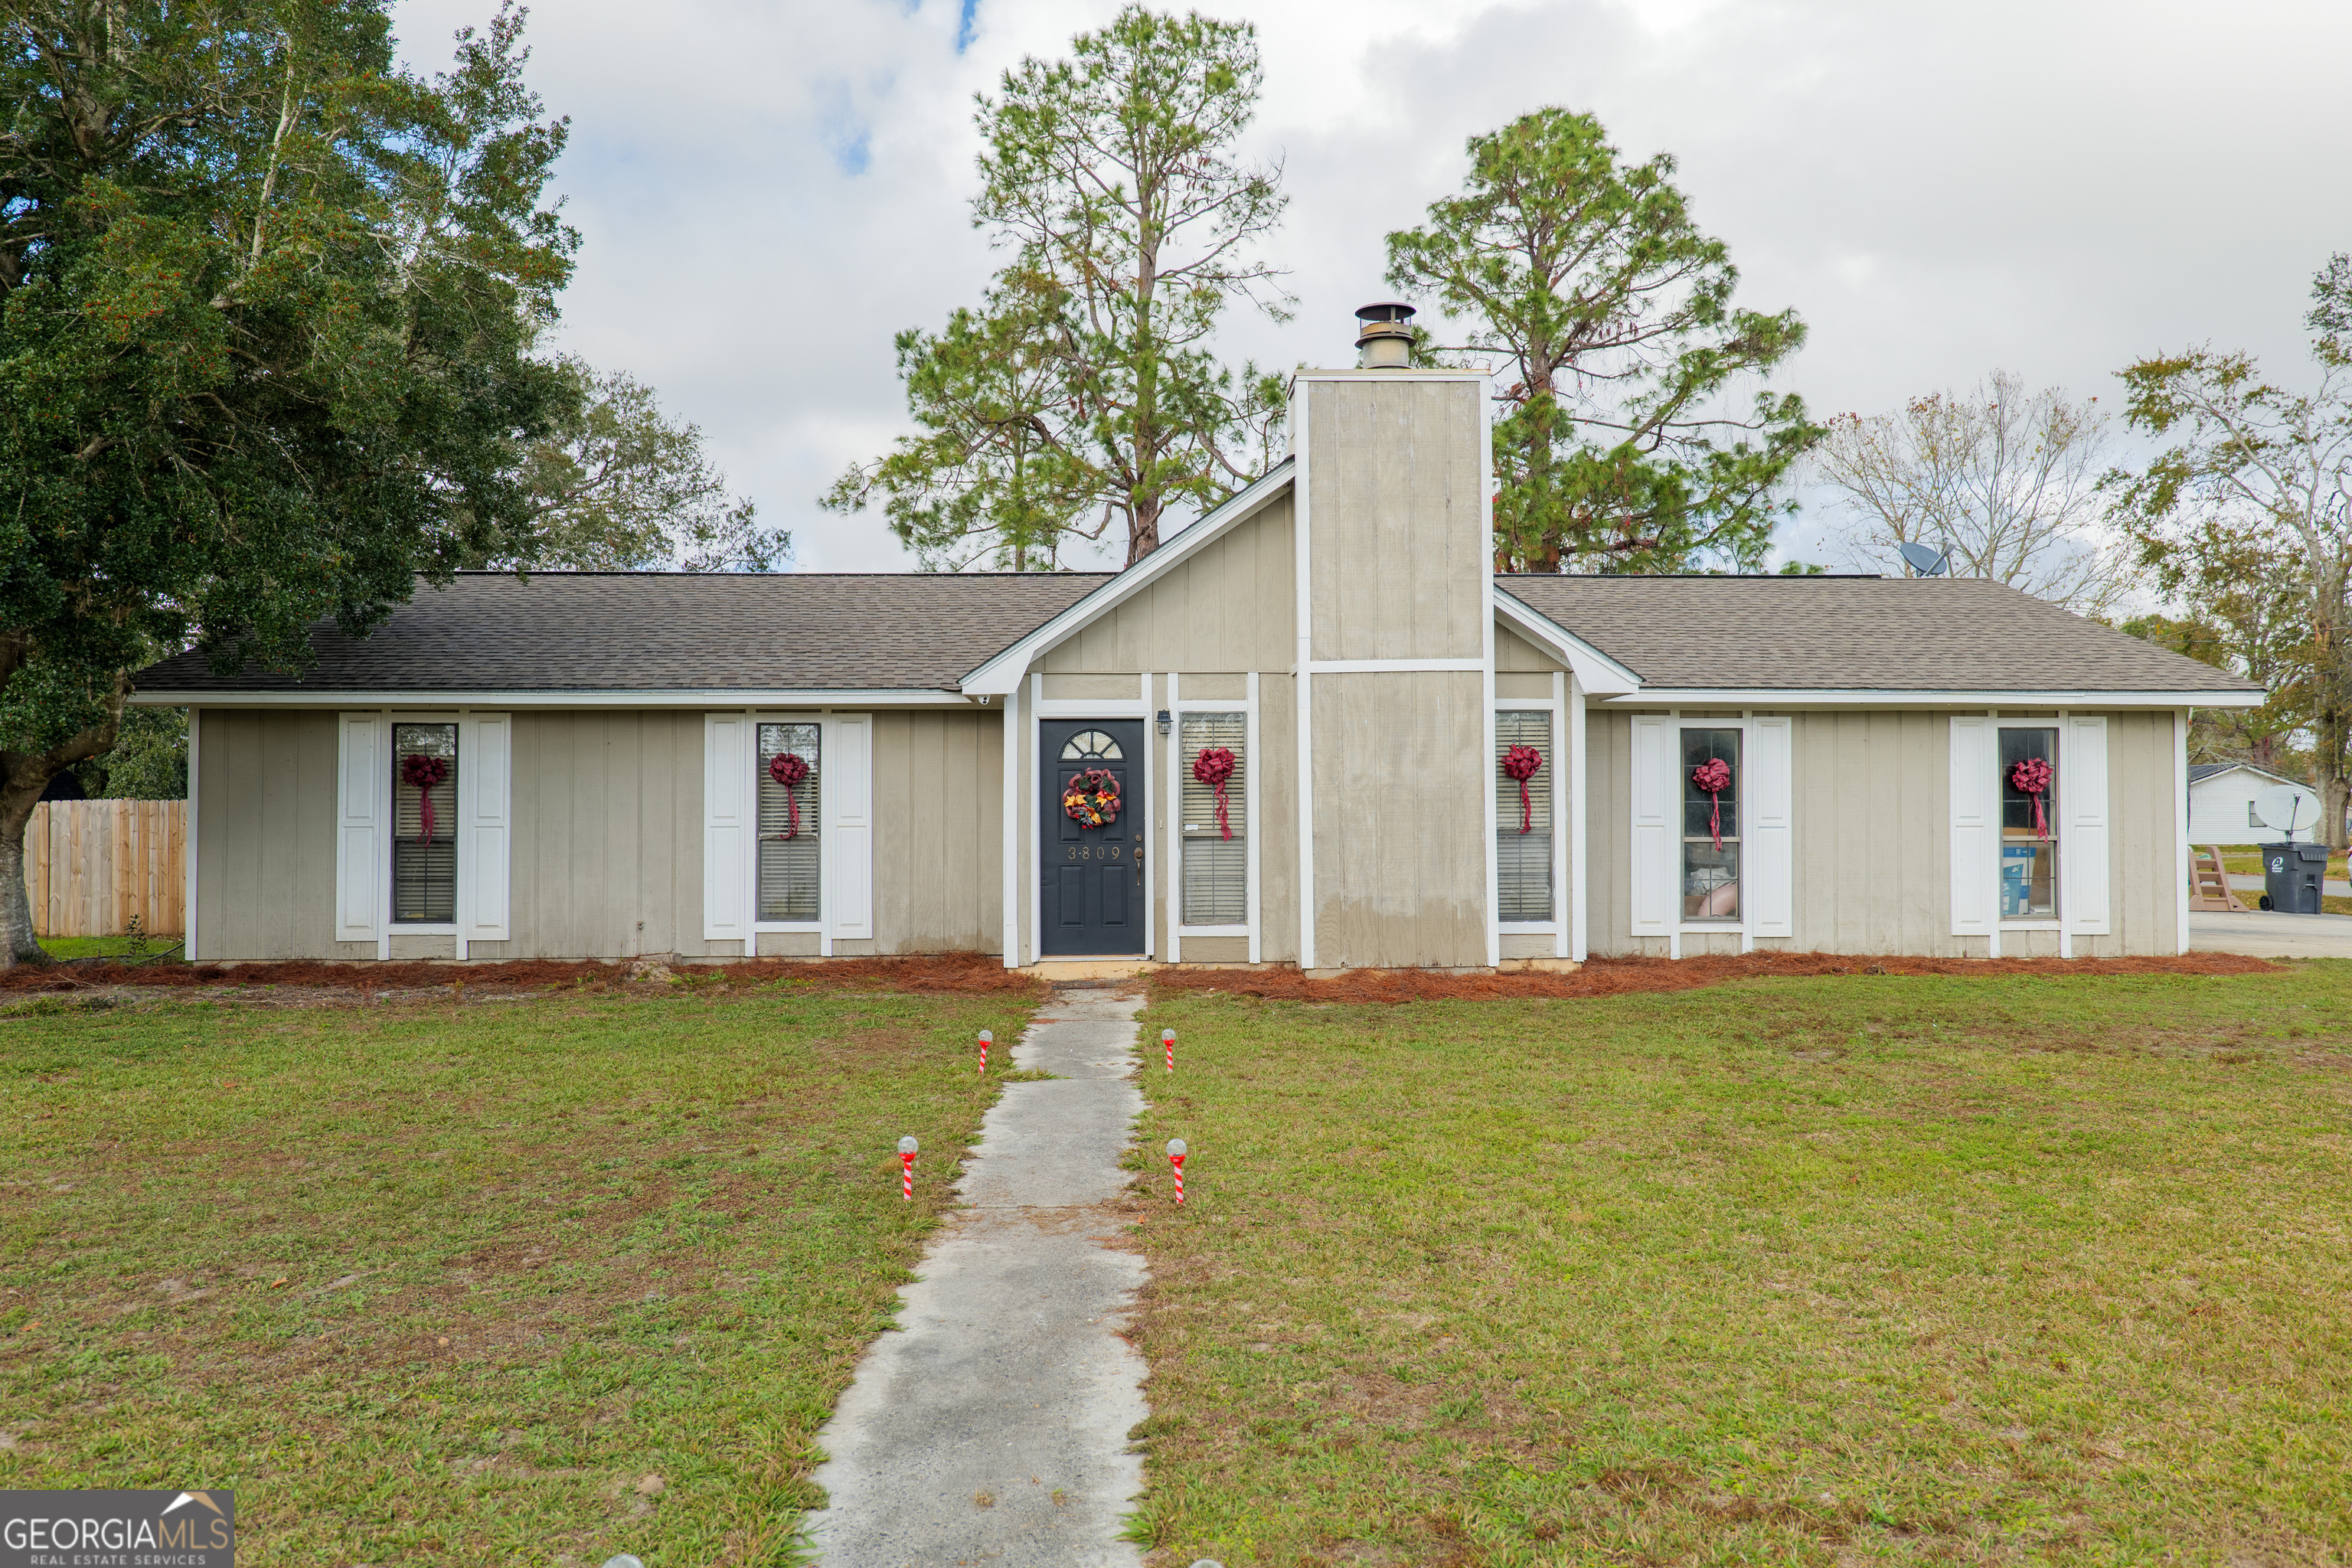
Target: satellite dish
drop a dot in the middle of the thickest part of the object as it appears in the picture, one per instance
(2286, 808)
(1923, 561)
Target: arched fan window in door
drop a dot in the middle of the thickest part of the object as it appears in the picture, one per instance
(1091, 746)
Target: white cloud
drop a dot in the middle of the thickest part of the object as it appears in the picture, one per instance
(2056, 187)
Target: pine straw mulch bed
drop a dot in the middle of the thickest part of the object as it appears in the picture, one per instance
(955, 972)
(1623, 976)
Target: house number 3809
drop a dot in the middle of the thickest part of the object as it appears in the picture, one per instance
(1086, 852)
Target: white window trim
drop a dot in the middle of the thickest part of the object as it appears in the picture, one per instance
(2056, 723)
(1009, 922)
(1177, 706)
(823, 882)
(1557, 926)
(1572, 690)
(388, 928)
(1745, 924)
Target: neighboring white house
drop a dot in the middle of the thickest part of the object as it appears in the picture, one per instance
(2222, 803)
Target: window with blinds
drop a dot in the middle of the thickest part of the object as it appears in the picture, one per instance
(1216, 868)
(790, 860)
(1523, 859)
(424, 863)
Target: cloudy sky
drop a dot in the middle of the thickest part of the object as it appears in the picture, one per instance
(768, 191)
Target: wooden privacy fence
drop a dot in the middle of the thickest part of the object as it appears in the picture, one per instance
(92, 865)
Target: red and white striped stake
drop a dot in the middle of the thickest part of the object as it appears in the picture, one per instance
(1168, 1038)
(985, 1038)
(1176, 1158)
(906, 1147)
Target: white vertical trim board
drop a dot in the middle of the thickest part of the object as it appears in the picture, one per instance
(2083, 844)
(188, 846)
(2181, 828)
(363, 854)
(486, 828)
(1579, 875)
(1009, 861)
(1769, 902)
(1256, 822)
(1563, 923)
(1172, 841)
(1975, 827)
(729, 829)
(1034, 836)
(1651, 841)
(849, 825)
(1302, 490)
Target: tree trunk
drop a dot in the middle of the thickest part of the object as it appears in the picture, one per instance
(1144, 536)
(21, 791)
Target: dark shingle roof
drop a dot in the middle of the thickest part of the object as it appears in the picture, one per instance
(1879, 634)
(671, 631)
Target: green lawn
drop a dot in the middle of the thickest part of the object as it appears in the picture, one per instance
(2249, 863)
(509, 1281)
(1810, 1271)
(166, 949)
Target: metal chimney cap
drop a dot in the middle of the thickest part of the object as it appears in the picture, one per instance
(1386, 310)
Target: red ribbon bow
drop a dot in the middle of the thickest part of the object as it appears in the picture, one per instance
(1212, 767)
(1521, 762)
(2031, 778)
(1713, 776)
(425, 773)
(788, 768)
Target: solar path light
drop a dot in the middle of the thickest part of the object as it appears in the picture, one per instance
(906, 1147)
(1176, 1158)
(1168, 1038)
(986, 1039)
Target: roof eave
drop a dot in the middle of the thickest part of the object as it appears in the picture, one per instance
(615, 697)
(1922, 697)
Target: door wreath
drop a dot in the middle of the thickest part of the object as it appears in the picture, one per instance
(1091, 799)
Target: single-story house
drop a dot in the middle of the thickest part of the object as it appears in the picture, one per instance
(2222, 803)
(1314, 728)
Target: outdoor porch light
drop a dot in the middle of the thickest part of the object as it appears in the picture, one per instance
(1165, 722)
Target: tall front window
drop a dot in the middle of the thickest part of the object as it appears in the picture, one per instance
(2029, 824)
(424, 824)
(1216, 847)
(790, 784)
(1711, 824)
(1523, 824)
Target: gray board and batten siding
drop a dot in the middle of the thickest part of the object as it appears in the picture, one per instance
(1873, 834)
(608, 838)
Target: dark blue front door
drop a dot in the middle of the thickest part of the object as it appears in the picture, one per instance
(1092, 899)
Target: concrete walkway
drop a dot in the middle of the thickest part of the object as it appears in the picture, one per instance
(2270, 934)
(992, 1428)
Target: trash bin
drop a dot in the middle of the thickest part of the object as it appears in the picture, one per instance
(2292, 876)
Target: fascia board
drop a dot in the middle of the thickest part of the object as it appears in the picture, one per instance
(1001, 675)
(767, 698)
(1600, 674)
(1821, 697)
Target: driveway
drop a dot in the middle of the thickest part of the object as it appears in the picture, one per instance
(2271, 935)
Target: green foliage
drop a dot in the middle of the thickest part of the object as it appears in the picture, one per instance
(149, 760)
(1081, 395)
(1619, 445)
(2247, 516)
(615, 486)
(266, 312)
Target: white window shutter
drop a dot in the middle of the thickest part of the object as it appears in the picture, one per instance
(1655, 801)
(485, 830)
(849, 824)
(1975, 826)
(727, 846)
(1770, 832)
(362, 780)
(2083, 825)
